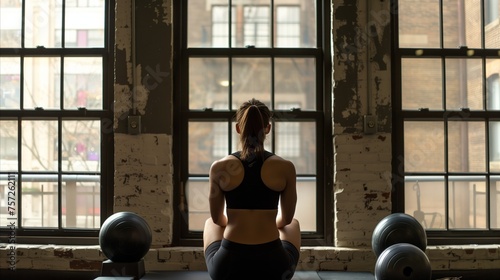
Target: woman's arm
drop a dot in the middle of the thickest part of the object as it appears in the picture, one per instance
(216, 196)
(288, 196)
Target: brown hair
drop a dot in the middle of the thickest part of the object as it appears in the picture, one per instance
(252, 118)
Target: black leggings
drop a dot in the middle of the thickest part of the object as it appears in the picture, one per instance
(274, 260)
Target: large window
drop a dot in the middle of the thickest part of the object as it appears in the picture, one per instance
(55, 119)
(446, 105)
(272, 51)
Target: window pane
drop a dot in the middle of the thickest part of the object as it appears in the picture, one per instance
(295, 82)
(82, 82)
(10, 86)
(208, 141)
(81, 204)
(208, 25)
(466, 146)
(494, 140)
(39, 145)
(295, 25)
(39, 201)
(8, 146)
(467, 202)
(492, 24)
(492, 84)
(88, 22)
(425, 34)
(423, 146)
(425, 199)
(288, 26)
(466, 32)
(305, 210)
(208, 83)
(256, 27)
(197, 199)
(43, 21)
(81, 145)
(40, 79)
(10, 24)
(495, 202)
(422, 84)
(220, 26)
(251, 79)
(9, 199)
(464, 84)
(296, 141)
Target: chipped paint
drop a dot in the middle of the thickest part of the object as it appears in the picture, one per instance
(361, 40)
(167, 12)
(346, 98)
(141, 92)
(143, 87)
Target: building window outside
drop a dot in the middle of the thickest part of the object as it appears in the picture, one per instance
(53, 103)
(256, 26)
(493, 92)
(447, 118)
(491, 8)
(288, 26)
(220, 26)
(253, 65)
(288, 140)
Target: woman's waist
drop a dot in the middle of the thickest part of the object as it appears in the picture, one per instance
(251, 227)
(247, 219)
(251, 235)
(232, 245)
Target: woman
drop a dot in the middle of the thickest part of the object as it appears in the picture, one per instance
(252, 241)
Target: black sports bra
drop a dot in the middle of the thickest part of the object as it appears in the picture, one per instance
(252, 193)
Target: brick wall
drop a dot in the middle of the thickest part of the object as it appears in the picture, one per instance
(143, 166)
(143, 181)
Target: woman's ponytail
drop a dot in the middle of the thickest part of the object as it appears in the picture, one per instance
(253, 119)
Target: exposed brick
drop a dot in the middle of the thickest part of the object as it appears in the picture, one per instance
(85, 265)
(63, 253)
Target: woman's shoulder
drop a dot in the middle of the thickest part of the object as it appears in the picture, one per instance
(226, 162)
(278, 160)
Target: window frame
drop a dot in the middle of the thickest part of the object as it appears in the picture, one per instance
(446, 236)
(60, 235)
(324, 236)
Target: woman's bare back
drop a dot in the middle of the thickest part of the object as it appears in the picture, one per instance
(252, 226)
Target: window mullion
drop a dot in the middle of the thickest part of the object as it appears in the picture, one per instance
(19, 169)
(23, 24)
(230, 79)
(446, 170)
(443, 85)
(272, 14)
(61, 84)
(230, 24)
(63, 25)
(483, 24)
(441, 22)
(21, 85)
(59, 172)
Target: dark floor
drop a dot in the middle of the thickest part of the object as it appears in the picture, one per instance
(200, 275)
(299, 275)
